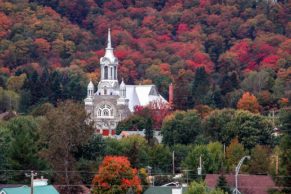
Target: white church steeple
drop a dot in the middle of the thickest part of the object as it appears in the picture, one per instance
(109, 62)
(108, 84)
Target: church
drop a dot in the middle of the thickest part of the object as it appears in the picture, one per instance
(114, 101)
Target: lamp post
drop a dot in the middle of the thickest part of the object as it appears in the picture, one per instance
(237, 168)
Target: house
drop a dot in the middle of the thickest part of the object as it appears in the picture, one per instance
(48, 189)
(40, 186)
(166, 190)
(247, 184)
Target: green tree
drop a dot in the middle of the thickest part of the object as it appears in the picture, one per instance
(216, 156)
(65, 129)
(285, 145)
(260, 160)
(160, 158)
(181, 127)
(255, 82)
(217, 126)
(149, 132)
(24, 145)
(192, 160)
(180, 153)
(15, 83)
(201, 188)
(9, 100)
(252, 129)
(234, 152)
(222, 184)
(211, 155)
(135, 149)
(200, 85)
(5, 139)
(132, 123)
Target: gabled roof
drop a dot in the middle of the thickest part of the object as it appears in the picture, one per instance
(142, 95)
(162, 190)
(253, 184)
(49, 189)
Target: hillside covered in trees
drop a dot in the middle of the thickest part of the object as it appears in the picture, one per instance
(212, 50)
(229, 62)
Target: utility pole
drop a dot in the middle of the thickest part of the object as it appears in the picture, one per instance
(199, 169)
(31, 175)
(277, 164)
(173, 163)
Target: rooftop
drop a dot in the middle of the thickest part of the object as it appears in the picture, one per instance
(26, 190)
(247, 184)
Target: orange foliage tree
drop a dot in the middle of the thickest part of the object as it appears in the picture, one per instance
(249, 102)
(115, 175)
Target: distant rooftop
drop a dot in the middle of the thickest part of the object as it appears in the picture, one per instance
(247, 184)
(26, 190)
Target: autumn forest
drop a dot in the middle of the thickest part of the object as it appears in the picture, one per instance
(229, 62)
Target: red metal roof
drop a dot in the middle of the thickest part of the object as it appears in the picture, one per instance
(247, 184)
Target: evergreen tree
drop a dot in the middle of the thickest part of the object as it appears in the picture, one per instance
(24, 146)
(200, 86)
(222, 184)
(285, 119)
(149, 133)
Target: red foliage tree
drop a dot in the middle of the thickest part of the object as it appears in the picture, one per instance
(115, 175)
(249, 102)
(5, 24)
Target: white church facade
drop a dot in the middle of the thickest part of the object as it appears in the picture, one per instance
(113, 102)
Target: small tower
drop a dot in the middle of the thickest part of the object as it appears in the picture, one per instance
(90, 90)
(122, 94)
(90, 93)
(122, 90)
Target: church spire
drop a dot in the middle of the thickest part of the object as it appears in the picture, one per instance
(109, 40)
(109, 50)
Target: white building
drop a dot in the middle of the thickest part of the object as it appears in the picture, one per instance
(113, 102)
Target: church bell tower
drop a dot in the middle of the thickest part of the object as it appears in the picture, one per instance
(108, 84)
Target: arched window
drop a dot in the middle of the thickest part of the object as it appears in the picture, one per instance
(111, 72)
(115, 73)
(105, 111)
(105, 72)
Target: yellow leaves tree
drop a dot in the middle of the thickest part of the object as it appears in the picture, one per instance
(249, 102)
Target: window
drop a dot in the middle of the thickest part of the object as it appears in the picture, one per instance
(111, 73)
(115, 73)
(105, 72)
(104, 111)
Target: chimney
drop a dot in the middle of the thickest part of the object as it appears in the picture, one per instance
(171, 95)
(40, 182)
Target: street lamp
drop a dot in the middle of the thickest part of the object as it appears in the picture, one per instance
(237, 168)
